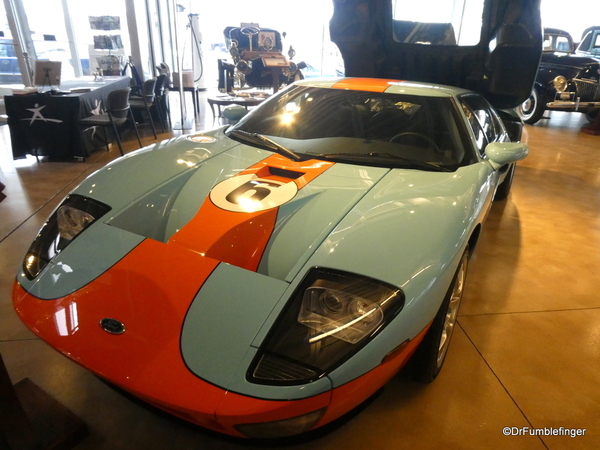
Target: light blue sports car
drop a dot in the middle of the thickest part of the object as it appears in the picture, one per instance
(265, 278)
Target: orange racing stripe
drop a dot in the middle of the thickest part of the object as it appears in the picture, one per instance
(240, 238)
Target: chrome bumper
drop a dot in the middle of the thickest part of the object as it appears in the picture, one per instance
(575, 106)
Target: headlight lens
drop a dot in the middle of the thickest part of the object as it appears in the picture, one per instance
(73, 216)
(330, 317)
(348, 316)
(560, 83)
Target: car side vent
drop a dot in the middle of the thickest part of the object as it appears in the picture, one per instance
(272, 368)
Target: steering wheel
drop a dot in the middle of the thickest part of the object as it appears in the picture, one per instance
(427, 139)
(249, 32)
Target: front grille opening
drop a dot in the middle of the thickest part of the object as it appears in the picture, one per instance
(272, 368)
(587, 90)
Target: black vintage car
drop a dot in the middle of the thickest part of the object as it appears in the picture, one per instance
(565, 81)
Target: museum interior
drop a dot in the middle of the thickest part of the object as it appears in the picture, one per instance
(522, 370)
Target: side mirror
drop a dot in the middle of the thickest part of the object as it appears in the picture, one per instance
(501, 153)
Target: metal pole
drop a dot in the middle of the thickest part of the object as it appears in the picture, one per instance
(179, 68)
(76, 62)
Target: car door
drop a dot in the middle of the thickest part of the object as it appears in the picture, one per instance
(486, 127)
(492, 47)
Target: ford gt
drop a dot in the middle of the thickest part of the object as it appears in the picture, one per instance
(264, 278)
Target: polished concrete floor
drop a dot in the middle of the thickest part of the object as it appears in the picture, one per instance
(525, 353)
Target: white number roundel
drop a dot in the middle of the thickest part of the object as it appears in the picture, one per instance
(249, 193)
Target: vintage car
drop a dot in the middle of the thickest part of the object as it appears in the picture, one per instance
(274, 274)
(258, 59)
(566, 81)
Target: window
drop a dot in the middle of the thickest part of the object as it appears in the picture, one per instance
(102, 35)
(441, 22)
(557, 43)
(10, 72)
(563, 44)
(49, 33)
(486, 125)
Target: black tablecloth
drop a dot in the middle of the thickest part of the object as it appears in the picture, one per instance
(43, 124)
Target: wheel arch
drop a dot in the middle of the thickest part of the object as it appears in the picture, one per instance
(474, 238)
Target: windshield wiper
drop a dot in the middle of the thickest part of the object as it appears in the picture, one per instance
(369, 156)
(263, 142)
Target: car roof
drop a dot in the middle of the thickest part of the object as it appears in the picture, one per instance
(557, 31)
(385, 85)
(588, 30)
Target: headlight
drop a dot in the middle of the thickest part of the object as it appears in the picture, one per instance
(560, 83)
(73, 216)
(330, 317)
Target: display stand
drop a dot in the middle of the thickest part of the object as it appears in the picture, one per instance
(108, 49)
(30, 419)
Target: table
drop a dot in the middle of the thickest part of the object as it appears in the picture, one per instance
(43, 124)
(224, 100)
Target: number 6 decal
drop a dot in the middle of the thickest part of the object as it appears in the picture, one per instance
(249, 193)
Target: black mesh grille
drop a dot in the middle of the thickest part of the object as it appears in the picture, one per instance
(587, 90)
(273, 368)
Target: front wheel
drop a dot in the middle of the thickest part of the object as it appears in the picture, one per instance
(532, 109)
(427, 361)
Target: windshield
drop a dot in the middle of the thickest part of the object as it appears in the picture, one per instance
(370, 128)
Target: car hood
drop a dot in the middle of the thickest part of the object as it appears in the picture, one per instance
(239, 205)
(576, 62)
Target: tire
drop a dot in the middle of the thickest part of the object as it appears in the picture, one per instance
(532, 109)
(503, 188)
(591, 116)
(428, 359)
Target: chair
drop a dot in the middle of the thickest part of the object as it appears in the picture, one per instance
(145, 101)
(161, 91)
(117, 112)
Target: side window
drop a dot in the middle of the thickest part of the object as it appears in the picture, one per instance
(480, 137)
(586, 42)
(485, 123)
(563, 44)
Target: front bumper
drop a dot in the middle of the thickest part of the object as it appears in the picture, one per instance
(572, 105)
(146, 360)
(166, 382)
